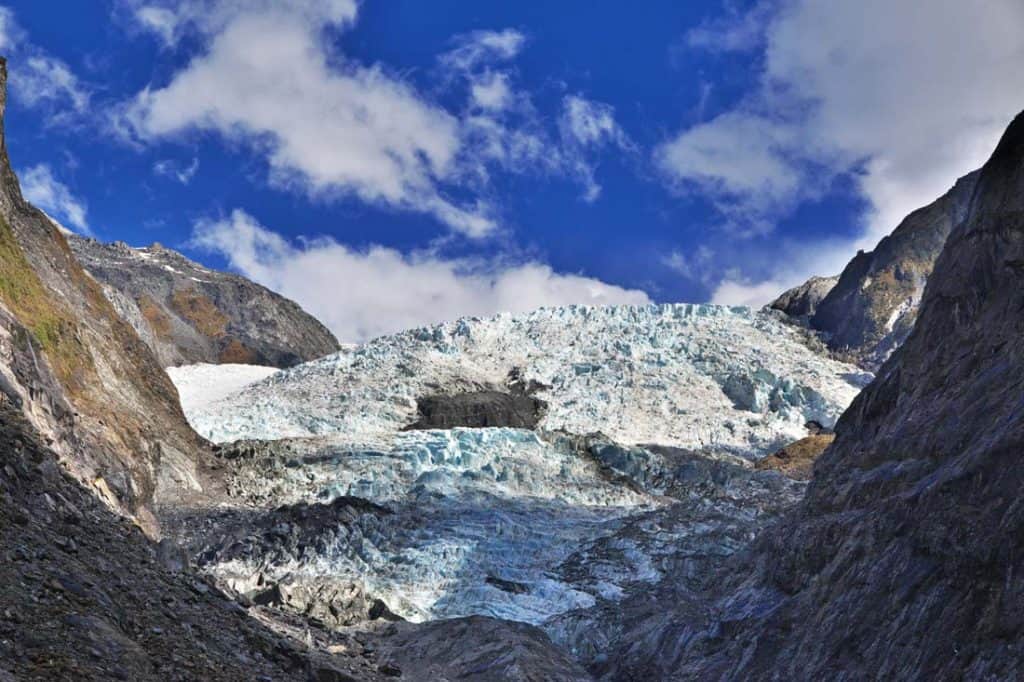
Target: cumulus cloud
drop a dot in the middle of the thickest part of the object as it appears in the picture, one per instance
(903, 96)
(41, 188)
(160, 21)
(491, 91)
(269, 77)
(385, 290)
(327, 126)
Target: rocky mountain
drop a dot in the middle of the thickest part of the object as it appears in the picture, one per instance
(80, 373)
(188, 314)
(904, 560)
(802, 301)
(870, 311)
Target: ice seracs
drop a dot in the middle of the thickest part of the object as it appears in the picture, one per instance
(636, 469)
(697, 376)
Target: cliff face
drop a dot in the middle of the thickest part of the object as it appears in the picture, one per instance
(870, 311)
(802, 301)
(905, 559)
(79, 371)
(189, 314)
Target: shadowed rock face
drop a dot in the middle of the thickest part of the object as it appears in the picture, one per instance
(480, 648)
(872, 308)
(86, 596)
(905, 559)
(189, 314)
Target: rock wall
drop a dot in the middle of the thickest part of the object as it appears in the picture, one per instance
(80, 372)
(189, 314)
(905, 559)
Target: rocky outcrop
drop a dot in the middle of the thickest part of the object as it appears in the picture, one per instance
(189, 314)
(872, 308)
(802, 301)
(905, 559)
(796, 460)
(479, 648)
(86, 596)
(79, 371)
(478, 409)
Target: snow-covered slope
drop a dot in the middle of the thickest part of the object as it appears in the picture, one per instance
(697, 376)
(202, 384)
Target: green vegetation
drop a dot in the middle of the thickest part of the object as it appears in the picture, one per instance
(24, 294)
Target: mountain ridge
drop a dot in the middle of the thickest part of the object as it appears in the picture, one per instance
(872, 306)
(190, 314)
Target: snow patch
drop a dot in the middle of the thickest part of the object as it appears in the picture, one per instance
(200, 385)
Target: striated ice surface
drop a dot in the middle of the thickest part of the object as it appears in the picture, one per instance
(471, 509)
(697, 376)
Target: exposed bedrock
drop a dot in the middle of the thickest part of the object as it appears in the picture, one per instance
(905, 559)
(478, 409)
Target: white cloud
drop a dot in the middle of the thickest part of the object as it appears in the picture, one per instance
(9, 31)
(269, 77)
(752, 294)
(161, 21)
(741, 162)
(41, 188)
(586, 125)
(176, 171)
(591, 123)
(41, 78)
(903, 95)
(696, 266)
(385, 290)
(327, 125)
(491, 91)
(37, 78)
(482, 47)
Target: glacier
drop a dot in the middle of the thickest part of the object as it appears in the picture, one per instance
(698, 376)
(640, 468)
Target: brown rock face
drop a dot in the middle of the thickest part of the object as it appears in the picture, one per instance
(796, 460)
(81, 373)
(906, 559)
(187, 313)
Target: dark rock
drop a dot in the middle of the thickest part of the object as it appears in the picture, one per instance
(478, 648)
(172, 557)
(479, 409)
(379, 610)
(906, 558)
(510, 586)
(871, 310)
(802, 301)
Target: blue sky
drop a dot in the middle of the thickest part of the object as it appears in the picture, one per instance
(389, 164)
